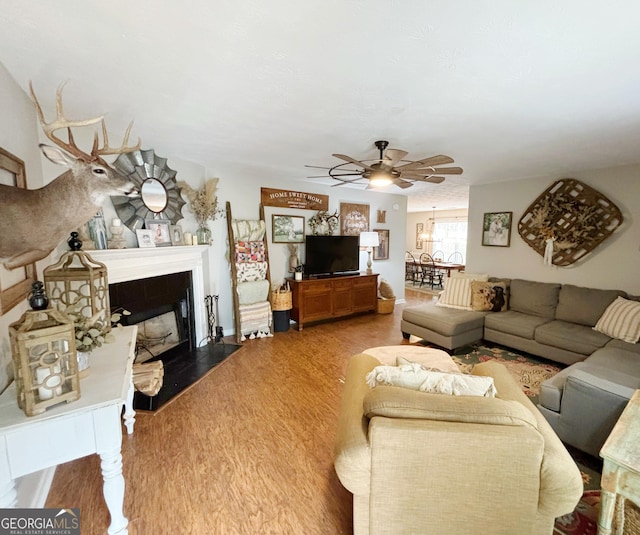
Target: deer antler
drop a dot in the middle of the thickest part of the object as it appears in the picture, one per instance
(70, 145)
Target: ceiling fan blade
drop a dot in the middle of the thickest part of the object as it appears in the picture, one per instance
(422, 178)
(393, 156)
(316, 167)
(351, 160)
(439, 170)
(402, 183)
(432, 160)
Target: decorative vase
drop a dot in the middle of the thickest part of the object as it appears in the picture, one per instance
(83, 363)
(203, 235)
(38, 299)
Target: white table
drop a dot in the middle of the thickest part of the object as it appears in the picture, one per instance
(69, 431)
(621, 469)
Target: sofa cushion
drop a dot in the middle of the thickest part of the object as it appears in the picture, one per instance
(584, 305)
(515, 323)
(535, 298)
(621, 320)
(627, 362)
(570, 336)
(443, 320)
(625, 346)
(395, 402)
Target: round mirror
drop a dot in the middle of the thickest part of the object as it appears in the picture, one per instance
(154, 195)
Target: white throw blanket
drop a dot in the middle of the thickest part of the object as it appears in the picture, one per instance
(416, 377)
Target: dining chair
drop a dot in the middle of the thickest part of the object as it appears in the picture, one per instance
(438, 255)
(456, 258)
(429, 274)
(411, 268)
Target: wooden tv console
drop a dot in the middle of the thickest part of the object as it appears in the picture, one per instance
(332, 297)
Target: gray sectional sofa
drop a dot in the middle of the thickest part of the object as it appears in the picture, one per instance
(582, 402)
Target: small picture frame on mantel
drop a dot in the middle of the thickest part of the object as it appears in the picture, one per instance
(145, 238)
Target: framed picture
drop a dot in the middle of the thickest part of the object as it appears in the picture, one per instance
(496, 229)
(176, 235)
(287, 228)
(15, 284)
(161, 231)
(419, 233)
(145, 238)
(354, 218)
(382, 251)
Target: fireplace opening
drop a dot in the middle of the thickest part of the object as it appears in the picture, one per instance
(162, 307)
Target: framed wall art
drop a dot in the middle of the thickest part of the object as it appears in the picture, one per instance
(382, 251)
(354, 218)
(419, 233)
(496, 229)
(15, 284)
(160, 230)
(287, 228)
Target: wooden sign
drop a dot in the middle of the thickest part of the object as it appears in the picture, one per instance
(293, 199)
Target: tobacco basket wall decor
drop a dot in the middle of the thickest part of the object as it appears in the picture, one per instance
(567, 221)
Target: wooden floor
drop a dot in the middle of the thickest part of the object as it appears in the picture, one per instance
(247, 450)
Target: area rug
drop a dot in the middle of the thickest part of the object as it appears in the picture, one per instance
(530, 371)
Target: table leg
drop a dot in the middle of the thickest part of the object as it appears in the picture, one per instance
(129, 412)
(607, 507)
(108, 430)
(8, 494)
(113, 490)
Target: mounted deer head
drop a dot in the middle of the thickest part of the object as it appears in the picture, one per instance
(36, 221)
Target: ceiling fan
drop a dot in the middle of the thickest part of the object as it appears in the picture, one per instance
(385, 170)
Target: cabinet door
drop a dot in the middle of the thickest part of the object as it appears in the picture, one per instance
(365, 293)
(342, 297)
(316, 300)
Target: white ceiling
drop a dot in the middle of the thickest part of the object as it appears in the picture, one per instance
(508, 89)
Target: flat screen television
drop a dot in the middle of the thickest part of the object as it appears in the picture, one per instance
(331, 255)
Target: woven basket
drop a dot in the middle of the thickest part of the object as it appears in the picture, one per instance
(385, 306)
(281, 299)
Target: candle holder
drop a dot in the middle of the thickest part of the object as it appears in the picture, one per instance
(43, 351)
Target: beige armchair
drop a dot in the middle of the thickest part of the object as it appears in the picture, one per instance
(420, 463)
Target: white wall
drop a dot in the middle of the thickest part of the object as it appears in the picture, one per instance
(614, 264)
(20, 135)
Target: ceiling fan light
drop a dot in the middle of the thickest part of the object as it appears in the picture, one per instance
(380, 178)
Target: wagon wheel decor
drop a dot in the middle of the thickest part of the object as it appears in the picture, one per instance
(567, 221)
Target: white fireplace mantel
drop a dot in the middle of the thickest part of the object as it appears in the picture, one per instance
(141, 263)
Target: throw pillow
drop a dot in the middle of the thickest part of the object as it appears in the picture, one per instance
(385, 290)
(473, 276)
(489, 296)
(416, 377)
(621, 320)
(456, 294)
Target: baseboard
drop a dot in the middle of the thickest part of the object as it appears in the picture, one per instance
(33, 489)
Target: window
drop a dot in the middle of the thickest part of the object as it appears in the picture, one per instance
(450, 237)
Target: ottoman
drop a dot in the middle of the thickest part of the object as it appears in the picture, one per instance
(443, 326)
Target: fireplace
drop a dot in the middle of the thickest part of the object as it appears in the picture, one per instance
(162, 307)
(163, 288)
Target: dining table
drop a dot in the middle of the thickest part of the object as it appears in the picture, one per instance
(448, 266)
